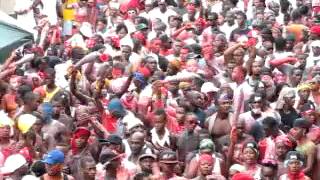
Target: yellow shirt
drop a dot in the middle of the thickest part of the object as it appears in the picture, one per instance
(69, 13)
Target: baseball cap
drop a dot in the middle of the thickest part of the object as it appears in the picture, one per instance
(147, 155)
(112, 139)
(168, 157)
(12, 163)
(54, 157)
(208, 87)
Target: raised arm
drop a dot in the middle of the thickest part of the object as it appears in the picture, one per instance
(228, 52)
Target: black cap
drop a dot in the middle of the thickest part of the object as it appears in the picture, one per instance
(112, 139)
(302, 123)
(168, 157)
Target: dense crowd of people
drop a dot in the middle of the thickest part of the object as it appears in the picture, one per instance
(163, 89)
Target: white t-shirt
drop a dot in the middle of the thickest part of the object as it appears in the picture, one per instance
(50, 9)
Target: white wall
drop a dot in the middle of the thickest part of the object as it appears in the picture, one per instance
(7, 6)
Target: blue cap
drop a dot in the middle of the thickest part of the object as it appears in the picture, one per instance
(116, 106)
(54, 157)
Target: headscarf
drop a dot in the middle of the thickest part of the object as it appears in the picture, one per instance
(206, 144)
(80, 132)
(139, 76)
(304, 86)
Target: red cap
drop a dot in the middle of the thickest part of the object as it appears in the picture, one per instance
(315, 29)
(242, 176)
(104, 57)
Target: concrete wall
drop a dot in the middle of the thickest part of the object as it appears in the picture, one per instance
(7, 6)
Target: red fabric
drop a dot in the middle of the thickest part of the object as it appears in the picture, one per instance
(145, 71)
(262, 147)
(109, 122)
(242, 176)
(315, 29)
(104, 57)
(298, 176)
(206, 158)
(80, 132)
(172, 124)
(284, 139)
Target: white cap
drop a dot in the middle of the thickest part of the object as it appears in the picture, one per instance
(86, 29)
(208, 87)
(12, 163)
(29, 177)
(315, 43)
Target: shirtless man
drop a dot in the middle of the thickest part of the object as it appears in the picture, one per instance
(219, 124)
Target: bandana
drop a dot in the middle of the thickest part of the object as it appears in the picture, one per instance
(144, 71)
(139, 76)
(80, 132)
(206, 158)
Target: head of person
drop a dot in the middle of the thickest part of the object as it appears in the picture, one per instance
(240, 126)
(230, 17)
(212, 19)
(180, 115)
(50, 76)
(269, 169)
(151, 64)
(162, 5)
(296, 75)
(256, 103)
(54, 162)
(238, 74)
(101, 24)
(88, 168)
(15, 165)
(300, 128)
(80, 137)
(238, 56)
(250, 153)
(136, 142)
(270, 126)
(160, 120)
(294, 162)
(146, 162)
(304, 90)
(167, 161)
(289, 98)
(307, 112)
(31, 100)
(241, 18)
(190, 121)
(206, 146)
(113, 142)
(116, 109)
(224, 102)
(38, 168)
(121, 30)
(46, 111)
(206, 163)
(15, 82)
(282, 144)
(110, 160)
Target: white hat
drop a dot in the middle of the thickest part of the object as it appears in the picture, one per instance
(12, 163)
(208, 87)
(315, 43)
(148, 2)
(86, 29)
(29, 177)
